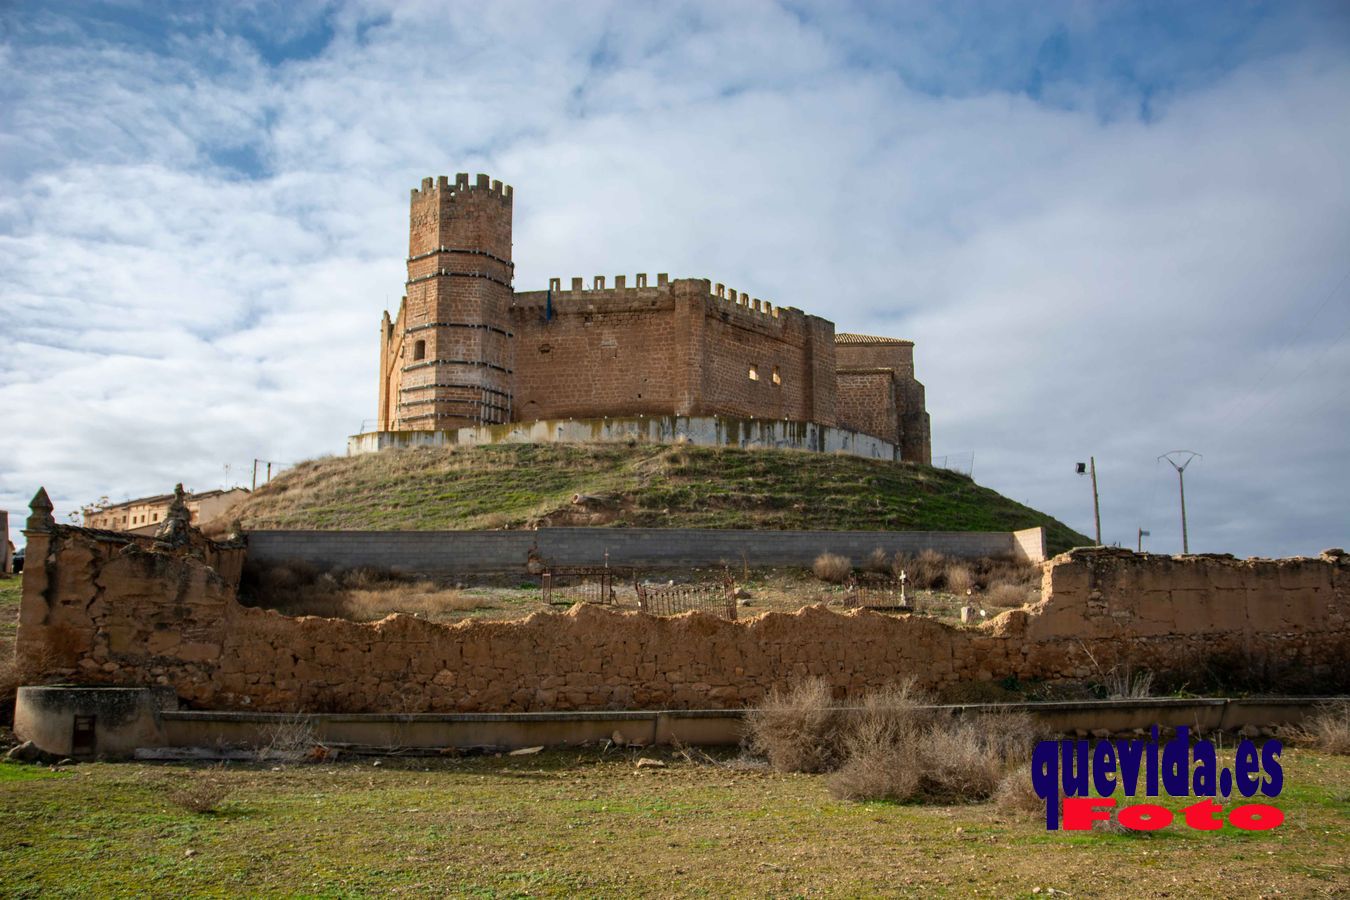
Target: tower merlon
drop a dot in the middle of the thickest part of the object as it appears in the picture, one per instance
(461, 184)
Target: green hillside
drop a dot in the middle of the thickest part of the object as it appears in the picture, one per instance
(522, 485)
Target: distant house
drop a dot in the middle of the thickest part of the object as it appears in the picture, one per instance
(143, 515)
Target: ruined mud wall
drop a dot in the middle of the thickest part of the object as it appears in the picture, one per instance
(102, 612)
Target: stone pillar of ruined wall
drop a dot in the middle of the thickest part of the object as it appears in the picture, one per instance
(456, 346)
(6, 563)
(691, 305)
(33, 617)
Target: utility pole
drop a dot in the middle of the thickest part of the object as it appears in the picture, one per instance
(255, 474)
(1096, 506)
(1181, 480)
(1139, 548)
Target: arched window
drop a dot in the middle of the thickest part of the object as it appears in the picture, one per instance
(420, 350)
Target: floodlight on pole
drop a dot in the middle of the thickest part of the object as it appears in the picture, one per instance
(1084, 468)
(1191, 456)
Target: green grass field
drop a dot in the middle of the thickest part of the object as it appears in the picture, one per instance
(515, 485)
(579, 823)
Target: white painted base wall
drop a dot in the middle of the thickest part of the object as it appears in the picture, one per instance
(702, 431)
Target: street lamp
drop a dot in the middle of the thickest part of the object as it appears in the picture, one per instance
(1191, 455)
(1083, 468)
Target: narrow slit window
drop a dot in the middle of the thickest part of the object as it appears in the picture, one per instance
(777, 376)
(754, 373)
(420, 350)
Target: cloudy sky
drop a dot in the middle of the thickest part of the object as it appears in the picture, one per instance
(1113, 229)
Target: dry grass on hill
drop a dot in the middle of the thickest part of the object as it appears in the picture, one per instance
(523, 485)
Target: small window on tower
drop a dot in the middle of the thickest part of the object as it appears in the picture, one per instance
(754, 373)
(777, 376)
(420, 350)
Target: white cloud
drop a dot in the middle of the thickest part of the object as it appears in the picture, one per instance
(1077, 283)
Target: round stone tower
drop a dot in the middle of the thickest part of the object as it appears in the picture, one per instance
(455, 351)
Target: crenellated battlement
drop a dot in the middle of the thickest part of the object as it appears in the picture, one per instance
(744, 301)
(579, 286)
(462, 184)
(730, 296)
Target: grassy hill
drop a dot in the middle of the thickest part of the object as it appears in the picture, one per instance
(523, 485)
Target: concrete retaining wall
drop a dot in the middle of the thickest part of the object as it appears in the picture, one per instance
(702, 431)
(452, 552)
(48, 715)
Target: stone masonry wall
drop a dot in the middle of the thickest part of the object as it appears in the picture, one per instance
(674, 349)
(101, 611)
(867, 403)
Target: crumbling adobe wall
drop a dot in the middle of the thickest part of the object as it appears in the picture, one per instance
(1284, 621)
(103, 612)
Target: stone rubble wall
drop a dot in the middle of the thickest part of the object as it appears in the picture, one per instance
(98, 611)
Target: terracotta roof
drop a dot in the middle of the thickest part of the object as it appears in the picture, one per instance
(165, 498)
(844, 337)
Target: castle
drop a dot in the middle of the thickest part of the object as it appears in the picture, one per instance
(466, 350)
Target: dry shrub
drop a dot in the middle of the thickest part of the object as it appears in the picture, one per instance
(361, 595)
(958, 578)
(291, 737)
(1016, 795)
(200, 793)
(832, 567)
(1329, 729)
(877, 562)
(877, 767)
(1005, 595)
(1127, 684)
(892, 747)
(798, 730)
(924, 572)
(878, 745)
(959, 765)
(990, 572)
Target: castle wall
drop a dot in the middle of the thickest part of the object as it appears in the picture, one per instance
(782, 350)
(866, 401)
(892, 354)
(101, 614)
(465, 350)
(674, 349)
(602, 352)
